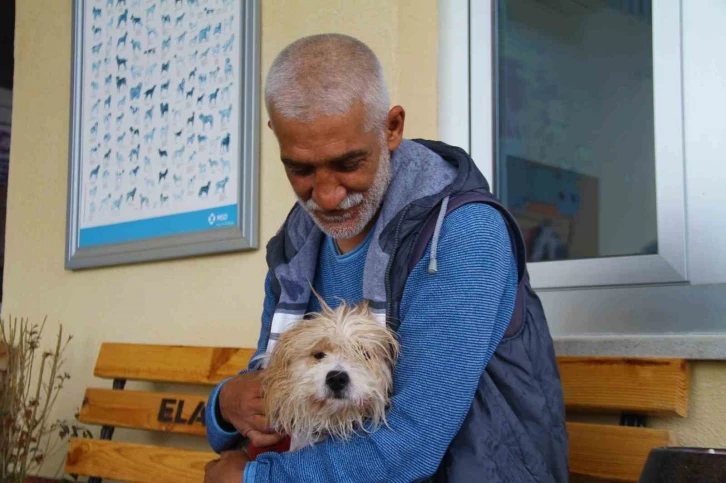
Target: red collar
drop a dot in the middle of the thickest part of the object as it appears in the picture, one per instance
(280, 447)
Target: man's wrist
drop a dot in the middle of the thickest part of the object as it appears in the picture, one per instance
(221, 416)
(222, 422)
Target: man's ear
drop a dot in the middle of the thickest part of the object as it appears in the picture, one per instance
(394, 127)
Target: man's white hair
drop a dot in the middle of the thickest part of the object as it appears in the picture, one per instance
(324, 75)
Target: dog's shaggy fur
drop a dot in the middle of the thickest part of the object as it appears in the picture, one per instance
(330, 374)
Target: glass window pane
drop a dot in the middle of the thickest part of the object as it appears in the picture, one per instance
(575, 143)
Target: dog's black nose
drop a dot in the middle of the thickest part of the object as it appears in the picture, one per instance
(337, 380)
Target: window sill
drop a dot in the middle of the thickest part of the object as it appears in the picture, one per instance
(693, 347)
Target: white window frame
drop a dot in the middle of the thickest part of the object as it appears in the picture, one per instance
(466, 119)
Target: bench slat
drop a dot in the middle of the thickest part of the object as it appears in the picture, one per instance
(641, 385)
(612, 452)
(135, 462)
(164, 363)
(602, 451)
(612, 384)
(173, 413)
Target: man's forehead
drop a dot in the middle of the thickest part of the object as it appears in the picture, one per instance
(338, 153)
(319, 121)
(325, 138)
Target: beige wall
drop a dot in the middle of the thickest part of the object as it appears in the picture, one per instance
(706, 422)
(213, 300)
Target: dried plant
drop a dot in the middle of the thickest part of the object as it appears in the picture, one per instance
(29, 389)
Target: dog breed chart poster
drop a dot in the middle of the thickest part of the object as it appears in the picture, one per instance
(160, 129)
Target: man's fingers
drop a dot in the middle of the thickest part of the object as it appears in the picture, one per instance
(207, 468)
(244, 416)
(256, 406)
(260, 423)
(253, 387)
(261, 440)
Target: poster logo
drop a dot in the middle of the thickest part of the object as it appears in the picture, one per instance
(218, 218)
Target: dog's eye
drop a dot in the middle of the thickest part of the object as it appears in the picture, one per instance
(319, 355)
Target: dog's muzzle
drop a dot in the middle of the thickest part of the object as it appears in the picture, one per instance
(337, 382)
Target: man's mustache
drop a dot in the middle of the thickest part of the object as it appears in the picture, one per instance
(351, 200)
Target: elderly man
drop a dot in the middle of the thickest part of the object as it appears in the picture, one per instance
(411, 227)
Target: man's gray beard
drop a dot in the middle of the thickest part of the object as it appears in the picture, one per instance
(370, 203)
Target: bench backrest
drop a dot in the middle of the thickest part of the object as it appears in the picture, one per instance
(634, 387)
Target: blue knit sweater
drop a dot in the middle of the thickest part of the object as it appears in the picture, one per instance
(451, 323)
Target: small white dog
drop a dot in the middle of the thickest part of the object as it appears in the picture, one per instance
(329, 374)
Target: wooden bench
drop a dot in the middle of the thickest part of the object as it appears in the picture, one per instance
(635, 388)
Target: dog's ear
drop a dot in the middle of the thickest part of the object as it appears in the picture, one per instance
(365, 307)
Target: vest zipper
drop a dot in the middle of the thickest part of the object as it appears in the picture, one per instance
(396, 233)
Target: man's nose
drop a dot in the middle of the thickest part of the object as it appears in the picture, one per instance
(327, 192)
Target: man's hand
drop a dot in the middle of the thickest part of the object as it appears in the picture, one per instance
(241, 405)
(229, 468)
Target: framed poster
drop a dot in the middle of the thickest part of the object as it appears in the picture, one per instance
(164, 130)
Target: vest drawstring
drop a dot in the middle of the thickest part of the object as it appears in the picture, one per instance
(433, 268)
